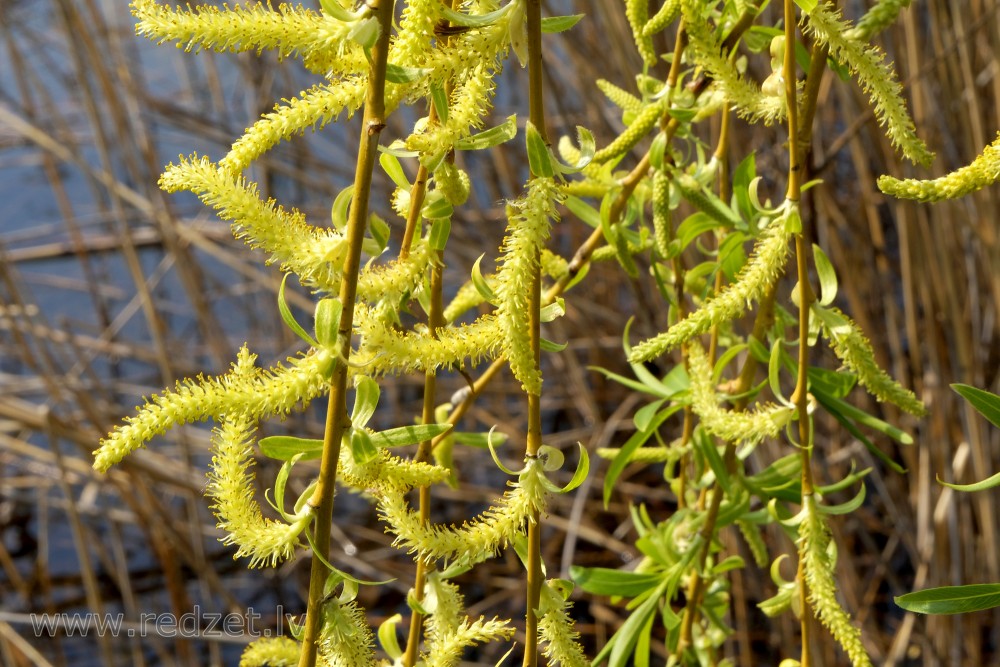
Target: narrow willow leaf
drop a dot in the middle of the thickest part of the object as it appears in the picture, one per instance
(439, 98)
(401, 74)
(379, 229)
(491, 137)
(844, 508)
(327, 321)
(637, 439)
(550, 346)
(987, 404)
(387, 636)
(539, 157)
(584, 211)
(473, 20)
(285, 447)
(869, 421)
(827, 276)
(440, 231)
(366, 395)
(951, 599)
(582, 470)
(480, 283)
(338, 212)
(363, 450)
(437, 207)
(988, 483)
(279, 487)
(409, 435)
(392, 168)
(288, 318)
(832, 408)
(628, 634)
(554, 24)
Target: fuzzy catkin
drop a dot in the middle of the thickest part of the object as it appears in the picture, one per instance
(877, 79)
(814, 540)
(764, 267)
(980, 173)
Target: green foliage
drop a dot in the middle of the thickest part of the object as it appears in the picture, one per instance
(716, 254)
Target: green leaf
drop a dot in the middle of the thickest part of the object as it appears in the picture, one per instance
(401, 74)
(279, 487)
(845, 508)
(987, 483)
(393, 169)
(440, 231)
(644, 416)
(408, 435)
(827, 276)
(439, 98)
(478, 440)
(865, 419)
(837, 384)
(365, 33)
(987, 404)
(774, 373)
(366, 395)
(691, 228)
(496, 458)
(628, 635)
(549, 346)
(554, 24)
(437, 207)
(582, 470)
(806, 5)
(539, 157)
(554, 310)
(732, 257)
(379, 229)
(588, 147)
(479, 282)
(286, 447)
(472, 21)
(584, 211)
(387, 636)
(363, 450)
(338, 213)
(327, 321)
(335, 10)
(491, 137)
(706, 445)
(625, 453)
(952, 599)
(833, 409)
(742, 177)
(288, 318)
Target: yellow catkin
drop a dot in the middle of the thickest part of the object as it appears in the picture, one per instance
(814, 540)
(271, 652)
(877, 79)
(763, 268)
(980, 173)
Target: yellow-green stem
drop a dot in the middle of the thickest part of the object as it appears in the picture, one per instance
(536, 113)
(801, 395)
(336, 419)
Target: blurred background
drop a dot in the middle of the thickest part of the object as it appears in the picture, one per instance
(111, 290)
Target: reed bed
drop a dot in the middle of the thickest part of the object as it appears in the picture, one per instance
(110, 290)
